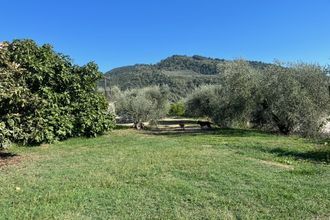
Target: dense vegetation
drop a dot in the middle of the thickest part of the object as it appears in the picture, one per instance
(182, 74)
(293, 98)
(283, 97)
(44, 97)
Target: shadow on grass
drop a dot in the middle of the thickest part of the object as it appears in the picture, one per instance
(318, 155)
(193, 131)
(8, 159)
(5, 155)
(122, 127)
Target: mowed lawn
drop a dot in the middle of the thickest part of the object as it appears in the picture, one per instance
(220, 174)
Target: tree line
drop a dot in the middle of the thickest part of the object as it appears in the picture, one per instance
(288, 98)
(44, 97)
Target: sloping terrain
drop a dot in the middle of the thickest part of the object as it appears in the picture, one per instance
(182, 74)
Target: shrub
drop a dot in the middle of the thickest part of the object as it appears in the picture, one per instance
(177, 109)
(4, 133)
(44, 97)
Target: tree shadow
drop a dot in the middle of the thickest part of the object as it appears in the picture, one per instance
(6, 155)
(8, 158)
(319, 140)
(122, 127)
(321, 155)
(194, 131)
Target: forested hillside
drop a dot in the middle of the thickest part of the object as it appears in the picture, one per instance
(182, 74)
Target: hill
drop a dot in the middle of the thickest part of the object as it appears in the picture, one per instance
(181, 73)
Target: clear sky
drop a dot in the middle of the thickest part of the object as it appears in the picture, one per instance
(122, 32)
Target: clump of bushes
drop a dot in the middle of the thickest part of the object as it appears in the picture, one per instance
(286, 98)
(45, 97)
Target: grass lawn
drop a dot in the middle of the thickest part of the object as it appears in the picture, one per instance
(223, 174)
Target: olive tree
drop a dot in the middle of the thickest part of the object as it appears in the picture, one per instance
(287, 98)
(293, 98)
(141, 105)
(239, 83)
(203, 102)
(231, 102)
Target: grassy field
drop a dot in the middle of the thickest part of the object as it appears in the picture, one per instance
(219, 174)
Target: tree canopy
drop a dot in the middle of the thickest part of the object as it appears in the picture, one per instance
(288, 98)
(141, 105)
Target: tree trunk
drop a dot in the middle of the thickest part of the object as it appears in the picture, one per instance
(284, 128)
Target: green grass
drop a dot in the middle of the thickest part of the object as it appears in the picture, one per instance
(222, 174)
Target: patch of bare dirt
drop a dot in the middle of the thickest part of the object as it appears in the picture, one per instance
(276, 164)
(9, 159)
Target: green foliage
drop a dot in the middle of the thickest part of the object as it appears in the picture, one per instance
(177, 109)
(236, 97)
(179, 84)
(4, 134)
(203, 101)
(140, 105)
(230, 102)
(199, 64)
(289, 99)
(294, 98)
(44, 97)
(181, 74)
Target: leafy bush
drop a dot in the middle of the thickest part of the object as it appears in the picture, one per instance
(177, 109)
(4, 133)
(44, 97)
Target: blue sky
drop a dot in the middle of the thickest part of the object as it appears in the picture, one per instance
(123, 32)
